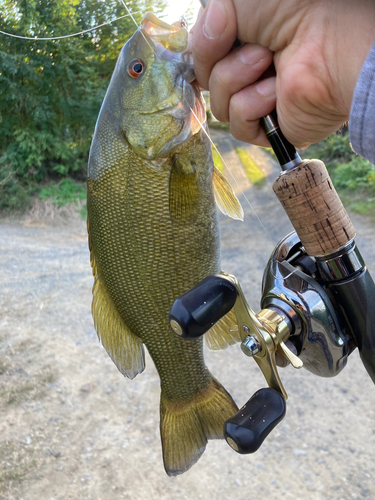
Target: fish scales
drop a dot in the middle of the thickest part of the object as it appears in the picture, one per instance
(145, 270)
(154, 234)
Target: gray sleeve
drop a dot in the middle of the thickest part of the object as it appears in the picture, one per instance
(362, 113)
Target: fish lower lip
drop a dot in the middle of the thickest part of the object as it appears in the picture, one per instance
(168, 110)
(179, 111)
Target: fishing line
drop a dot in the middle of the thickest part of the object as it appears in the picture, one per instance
(67, 36)
(234, 179)
(138, 27)
(211, 141)
(130, 14)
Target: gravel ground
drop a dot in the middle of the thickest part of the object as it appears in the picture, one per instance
(71, 427)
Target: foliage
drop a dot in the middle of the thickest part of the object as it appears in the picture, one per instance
(352, 175)
(215, 124)
(67, 191)
(333, 151)
(51, 90)
(14, 194)
(357, 173)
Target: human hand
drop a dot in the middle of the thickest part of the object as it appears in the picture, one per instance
(317, 47)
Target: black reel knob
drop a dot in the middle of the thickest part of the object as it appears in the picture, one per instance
(195, 312)
(250, 426)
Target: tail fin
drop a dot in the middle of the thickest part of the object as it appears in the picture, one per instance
(186, 427)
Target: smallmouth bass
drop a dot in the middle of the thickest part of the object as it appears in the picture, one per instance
(154, 232)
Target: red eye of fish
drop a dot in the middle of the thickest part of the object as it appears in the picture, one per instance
(136, 68)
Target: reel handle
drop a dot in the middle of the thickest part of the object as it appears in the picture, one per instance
(249, 427)
(195, 312)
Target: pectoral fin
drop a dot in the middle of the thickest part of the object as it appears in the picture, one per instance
(224, 333)
(225, 198)
(125, 349)
(183, 191)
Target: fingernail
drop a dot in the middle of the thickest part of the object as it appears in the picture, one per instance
(267, 88)
(252, 54)
(216, 19)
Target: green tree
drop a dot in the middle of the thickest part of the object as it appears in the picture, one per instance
(51, 90)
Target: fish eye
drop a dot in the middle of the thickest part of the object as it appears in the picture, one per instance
(136, 68)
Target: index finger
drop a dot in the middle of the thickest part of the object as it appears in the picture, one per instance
(213, 36)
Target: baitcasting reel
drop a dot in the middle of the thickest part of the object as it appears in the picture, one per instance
(317, 296)
(301, 323)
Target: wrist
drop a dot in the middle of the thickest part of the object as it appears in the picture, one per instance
(353, 28)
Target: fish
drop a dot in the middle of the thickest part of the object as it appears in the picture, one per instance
(152, 196)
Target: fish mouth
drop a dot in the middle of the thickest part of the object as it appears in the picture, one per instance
(171, 37)
(183, 104)
(170, 43)
(183, 108)
(190, 112)
(178, 111)
(192, 116)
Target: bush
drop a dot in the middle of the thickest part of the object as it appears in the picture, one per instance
(357, 173)
(51, 90)
(352, 175)
(67, 191)
(14, 195)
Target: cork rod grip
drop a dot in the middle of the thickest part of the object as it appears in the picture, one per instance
(314, 208)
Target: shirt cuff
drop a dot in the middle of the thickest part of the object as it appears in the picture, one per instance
(362, 113)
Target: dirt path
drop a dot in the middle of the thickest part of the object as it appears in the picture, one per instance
(71, 427)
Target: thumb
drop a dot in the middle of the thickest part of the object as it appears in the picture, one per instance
(213, 36)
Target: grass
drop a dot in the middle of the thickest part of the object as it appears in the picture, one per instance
(253, 172)
(66, 191)
(16, 460)
(21, 390)
(57, 196)
(14, 195)
(59, 202)
(20, 455)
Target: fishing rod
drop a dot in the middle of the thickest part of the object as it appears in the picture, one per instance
(317, 295)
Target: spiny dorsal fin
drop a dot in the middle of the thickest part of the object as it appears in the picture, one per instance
(125, 349)
(225, 198)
